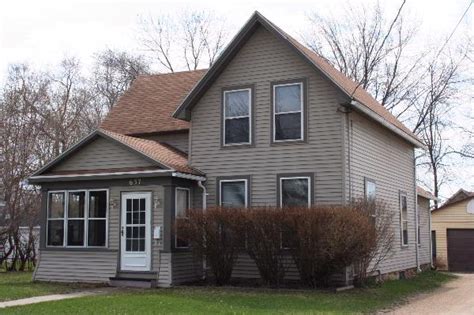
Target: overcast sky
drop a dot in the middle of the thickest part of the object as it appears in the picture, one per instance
(41, 32)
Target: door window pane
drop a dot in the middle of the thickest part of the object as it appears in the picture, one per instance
(75, 233)
(233, 194)
(294, 192)
(76, 204)
(56, 205)
(55, 232)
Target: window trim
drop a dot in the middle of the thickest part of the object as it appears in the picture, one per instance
(401, 195)
(233, 180)
(86, 219)
(176, 213)
(369, 180)
(286, 177)
(302, 110)
(250, 116)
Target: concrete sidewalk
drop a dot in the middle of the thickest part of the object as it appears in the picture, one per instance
(54, 297)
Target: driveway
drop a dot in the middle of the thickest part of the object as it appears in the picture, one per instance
(456, 297)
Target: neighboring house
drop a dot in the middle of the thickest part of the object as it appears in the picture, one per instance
(453, 232)
(270, 123)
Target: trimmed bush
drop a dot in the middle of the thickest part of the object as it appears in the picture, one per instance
(213, 235)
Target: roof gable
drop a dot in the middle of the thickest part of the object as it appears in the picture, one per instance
(149, 155)
(460, 195)
(349, 88)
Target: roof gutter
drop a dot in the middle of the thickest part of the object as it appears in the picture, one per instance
(66, 177)
(188, 176)
(362, 108)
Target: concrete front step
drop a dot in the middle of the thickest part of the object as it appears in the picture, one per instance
(132, 282)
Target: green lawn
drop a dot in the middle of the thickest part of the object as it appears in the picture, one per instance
(18, 285)
(197, 300)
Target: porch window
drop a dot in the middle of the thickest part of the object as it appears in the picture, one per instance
(77, 218)
(233, 193)
(403, 219)
(237, 122)
(295, 191)
(288, 113)
(182, 205)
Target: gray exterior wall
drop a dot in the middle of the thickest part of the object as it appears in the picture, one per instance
(179, 140)
(263, 60)
(98, 265)
(102, 154)
(424, 248)
(380, 155)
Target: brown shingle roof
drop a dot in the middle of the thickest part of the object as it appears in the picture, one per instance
(458, 196)
(148, 105)
(159, 152)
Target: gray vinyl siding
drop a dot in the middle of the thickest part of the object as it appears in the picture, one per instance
(76, 266)
(102, 154)
(261, 61)
(424, 248)
(246, 268)
(165, 270)
(179, 140)
(378, 154)
(185, 267)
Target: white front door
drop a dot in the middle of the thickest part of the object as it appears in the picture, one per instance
(135, 231)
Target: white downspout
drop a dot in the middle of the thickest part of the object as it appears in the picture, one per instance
(204, 207)
(417, 224)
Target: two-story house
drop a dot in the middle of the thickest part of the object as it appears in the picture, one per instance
(270, 123)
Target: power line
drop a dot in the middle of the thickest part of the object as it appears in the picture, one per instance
(454, 30)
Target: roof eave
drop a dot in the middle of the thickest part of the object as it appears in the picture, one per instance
(365, 110)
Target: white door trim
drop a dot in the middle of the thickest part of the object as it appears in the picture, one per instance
(135, 261)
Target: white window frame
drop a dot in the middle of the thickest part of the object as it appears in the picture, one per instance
(176, 212)
(366, 181)
(233, 181)
(402, 220)
(301, 111)
(86, 218)
(294, 177)
(224, 118)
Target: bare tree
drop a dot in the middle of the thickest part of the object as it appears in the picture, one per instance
(113, 73)
(191, 40)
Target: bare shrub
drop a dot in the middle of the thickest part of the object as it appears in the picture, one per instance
(263, 229)
(326, 239)
(379, 238)
(212, 235)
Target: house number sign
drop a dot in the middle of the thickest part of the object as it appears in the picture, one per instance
(135, 182)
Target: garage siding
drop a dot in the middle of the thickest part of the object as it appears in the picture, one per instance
(451, 217)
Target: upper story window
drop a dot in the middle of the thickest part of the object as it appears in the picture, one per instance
(370, 190)
(77, 218)
(237, 120)
(288, 112)
(233, 193)
(183, 201)
(403, 219)
(295, 191)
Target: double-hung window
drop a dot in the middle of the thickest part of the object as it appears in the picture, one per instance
(237, 120)
(403, 219)
(77, 218)
(233, 193)
(288, 112)
(295, 191)
(370, 190)
(183, 201)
